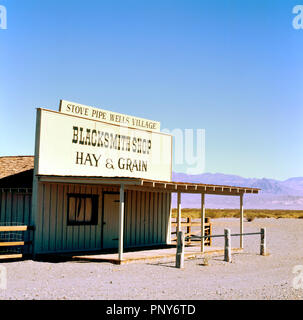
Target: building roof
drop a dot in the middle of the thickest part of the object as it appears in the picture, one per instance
(153, 185)
(12, 165)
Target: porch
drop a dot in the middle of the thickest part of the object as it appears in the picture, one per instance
(137, 255)
(124, 255)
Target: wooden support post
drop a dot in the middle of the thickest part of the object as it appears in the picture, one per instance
(179, 213)
(210, 233)
(121, 222)
(227, 245)
(202, 221)
(263, 242)
(168, 234)
(188, 230)
(180, 250)
(241, 221)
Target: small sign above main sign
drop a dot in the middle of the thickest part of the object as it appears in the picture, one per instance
(92, 113)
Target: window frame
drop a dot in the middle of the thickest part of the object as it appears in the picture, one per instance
(94, 214)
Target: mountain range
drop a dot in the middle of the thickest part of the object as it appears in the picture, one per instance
(274, 194)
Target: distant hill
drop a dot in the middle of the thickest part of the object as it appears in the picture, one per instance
(275, 194)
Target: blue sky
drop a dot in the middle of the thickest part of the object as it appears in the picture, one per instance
(233, 68)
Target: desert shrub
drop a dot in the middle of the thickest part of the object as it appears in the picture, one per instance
(205, 260)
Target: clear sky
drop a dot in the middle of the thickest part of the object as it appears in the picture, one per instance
(233, 68)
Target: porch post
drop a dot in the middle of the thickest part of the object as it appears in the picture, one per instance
(202, 221)
(179, 213)
(241, 221)
(121, 222)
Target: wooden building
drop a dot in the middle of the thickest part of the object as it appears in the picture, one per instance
(96, 227)
(75, 205)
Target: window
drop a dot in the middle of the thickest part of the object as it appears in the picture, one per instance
(82, 209)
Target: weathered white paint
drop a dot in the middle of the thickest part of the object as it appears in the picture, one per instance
(37, 188)
(80, 110)
(70, 146)
(146, 219)
(110, 220)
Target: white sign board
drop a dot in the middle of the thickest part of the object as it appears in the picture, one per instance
(92, 113)
(74, 146)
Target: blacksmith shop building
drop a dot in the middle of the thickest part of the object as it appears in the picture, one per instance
(96, 184)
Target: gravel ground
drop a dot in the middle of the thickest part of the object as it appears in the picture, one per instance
(249, 276)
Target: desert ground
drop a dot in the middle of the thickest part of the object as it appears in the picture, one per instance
(249, 276)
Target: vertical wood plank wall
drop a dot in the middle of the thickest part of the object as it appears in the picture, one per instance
(15, 209)
(147, 217)
(146, 222)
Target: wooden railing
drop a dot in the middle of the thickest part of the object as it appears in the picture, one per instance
(12, 241)
(188, 224)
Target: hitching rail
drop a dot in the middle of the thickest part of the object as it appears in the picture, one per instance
(227, 244)
(222, 235)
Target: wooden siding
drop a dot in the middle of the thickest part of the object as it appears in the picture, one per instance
(147, 217)
(146, 222)
(15, 209)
